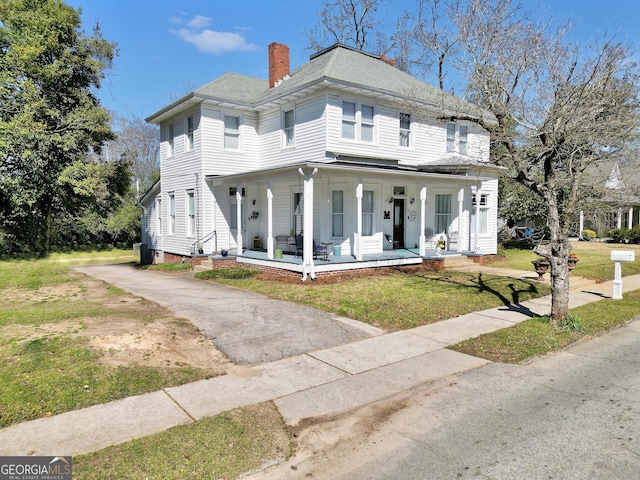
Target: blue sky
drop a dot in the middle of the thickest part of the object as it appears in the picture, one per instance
(169, 48)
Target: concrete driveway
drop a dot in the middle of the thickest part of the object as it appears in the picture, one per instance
(247, 327)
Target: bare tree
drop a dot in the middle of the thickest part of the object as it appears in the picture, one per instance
(138, 142)
(560, 108)
(349, 22)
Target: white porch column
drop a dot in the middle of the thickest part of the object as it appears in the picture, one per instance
(630, 221)
(269, 221)
(476, 248)
(239, 220)
(581, 226)
(620, 218)
(308, 267)
(423, 220)
(460, 213)
(357, 241)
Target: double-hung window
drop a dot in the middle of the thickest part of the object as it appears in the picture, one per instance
(172, 213)
(457, 138)
(367, 213)
(190, 129)
(191, 214)
(483, 214)
(443, 213)
(366, 123)
(349, 120)
(159, 215)
(231, 132)
(170, 141)
(288, 123)
(405, 129)
(337, 213)
(358, 122)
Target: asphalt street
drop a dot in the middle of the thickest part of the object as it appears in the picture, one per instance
(570, 415)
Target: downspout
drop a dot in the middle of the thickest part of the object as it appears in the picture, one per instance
(423, 220)
(269, 221)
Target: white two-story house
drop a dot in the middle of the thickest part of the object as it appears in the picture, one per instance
(345, 152)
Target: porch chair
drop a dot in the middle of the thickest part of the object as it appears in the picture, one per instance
(320, 251)
(388, 242)
(299, 247)
(282, 242)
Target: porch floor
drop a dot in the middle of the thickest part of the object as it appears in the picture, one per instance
(408, 256)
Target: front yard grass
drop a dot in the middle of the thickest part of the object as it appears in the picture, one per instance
(47, 365)
(401, 301)
(537, 336)
(225, 446)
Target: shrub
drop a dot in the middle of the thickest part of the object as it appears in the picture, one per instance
(634, 235)
(588, 235)
(233, 273)
(619, 235)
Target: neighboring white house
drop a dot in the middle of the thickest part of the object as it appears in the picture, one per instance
(346, 150)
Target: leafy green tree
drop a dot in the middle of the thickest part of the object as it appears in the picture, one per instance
(50, 117)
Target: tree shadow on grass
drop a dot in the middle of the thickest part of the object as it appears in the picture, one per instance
(512, 301)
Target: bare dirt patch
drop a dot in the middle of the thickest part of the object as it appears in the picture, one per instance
(130, 330)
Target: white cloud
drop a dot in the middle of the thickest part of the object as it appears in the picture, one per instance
(198, 22)
(176, 20)
(211, 41)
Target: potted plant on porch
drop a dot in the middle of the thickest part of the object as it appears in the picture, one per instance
(572, 260)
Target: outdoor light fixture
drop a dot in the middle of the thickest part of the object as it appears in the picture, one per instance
(391, 200)
(412, 200)
(254, 201)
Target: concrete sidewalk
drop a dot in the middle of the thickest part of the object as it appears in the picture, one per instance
(322, 382)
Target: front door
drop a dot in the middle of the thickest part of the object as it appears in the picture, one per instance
(398, 223)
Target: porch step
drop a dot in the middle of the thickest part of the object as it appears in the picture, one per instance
(204, 266)
(459, 262)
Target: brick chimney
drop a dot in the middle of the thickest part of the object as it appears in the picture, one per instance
(390, 61)
(278, 63)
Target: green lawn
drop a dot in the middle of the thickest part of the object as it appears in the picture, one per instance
(47, 366)
(401, 301)
(594, 260)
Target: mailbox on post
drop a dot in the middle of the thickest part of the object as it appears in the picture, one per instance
(620, 256)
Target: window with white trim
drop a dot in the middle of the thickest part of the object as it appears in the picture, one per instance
(191, 213)
(405, 129)
(483, 226)
(367, 213)
(172, 213)
(190, 129)
(358, 122)
(288, 124)
(159, 215)
(366, 123)
(337, 213)
(457, 138)
(170, 141)
(231, 132)
(443, 213)
(349, 120)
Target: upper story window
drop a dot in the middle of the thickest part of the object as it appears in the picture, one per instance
(405, 129)
(190, 129)
(171, 141)
(288, 123)
(172, 213)
(456, 138)
(358, 121)
(231, 132)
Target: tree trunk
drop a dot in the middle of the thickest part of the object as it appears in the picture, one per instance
(557, 252)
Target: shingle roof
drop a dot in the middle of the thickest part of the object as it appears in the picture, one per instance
(339, 65)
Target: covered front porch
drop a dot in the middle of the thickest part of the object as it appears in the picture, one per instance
(333, 263)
